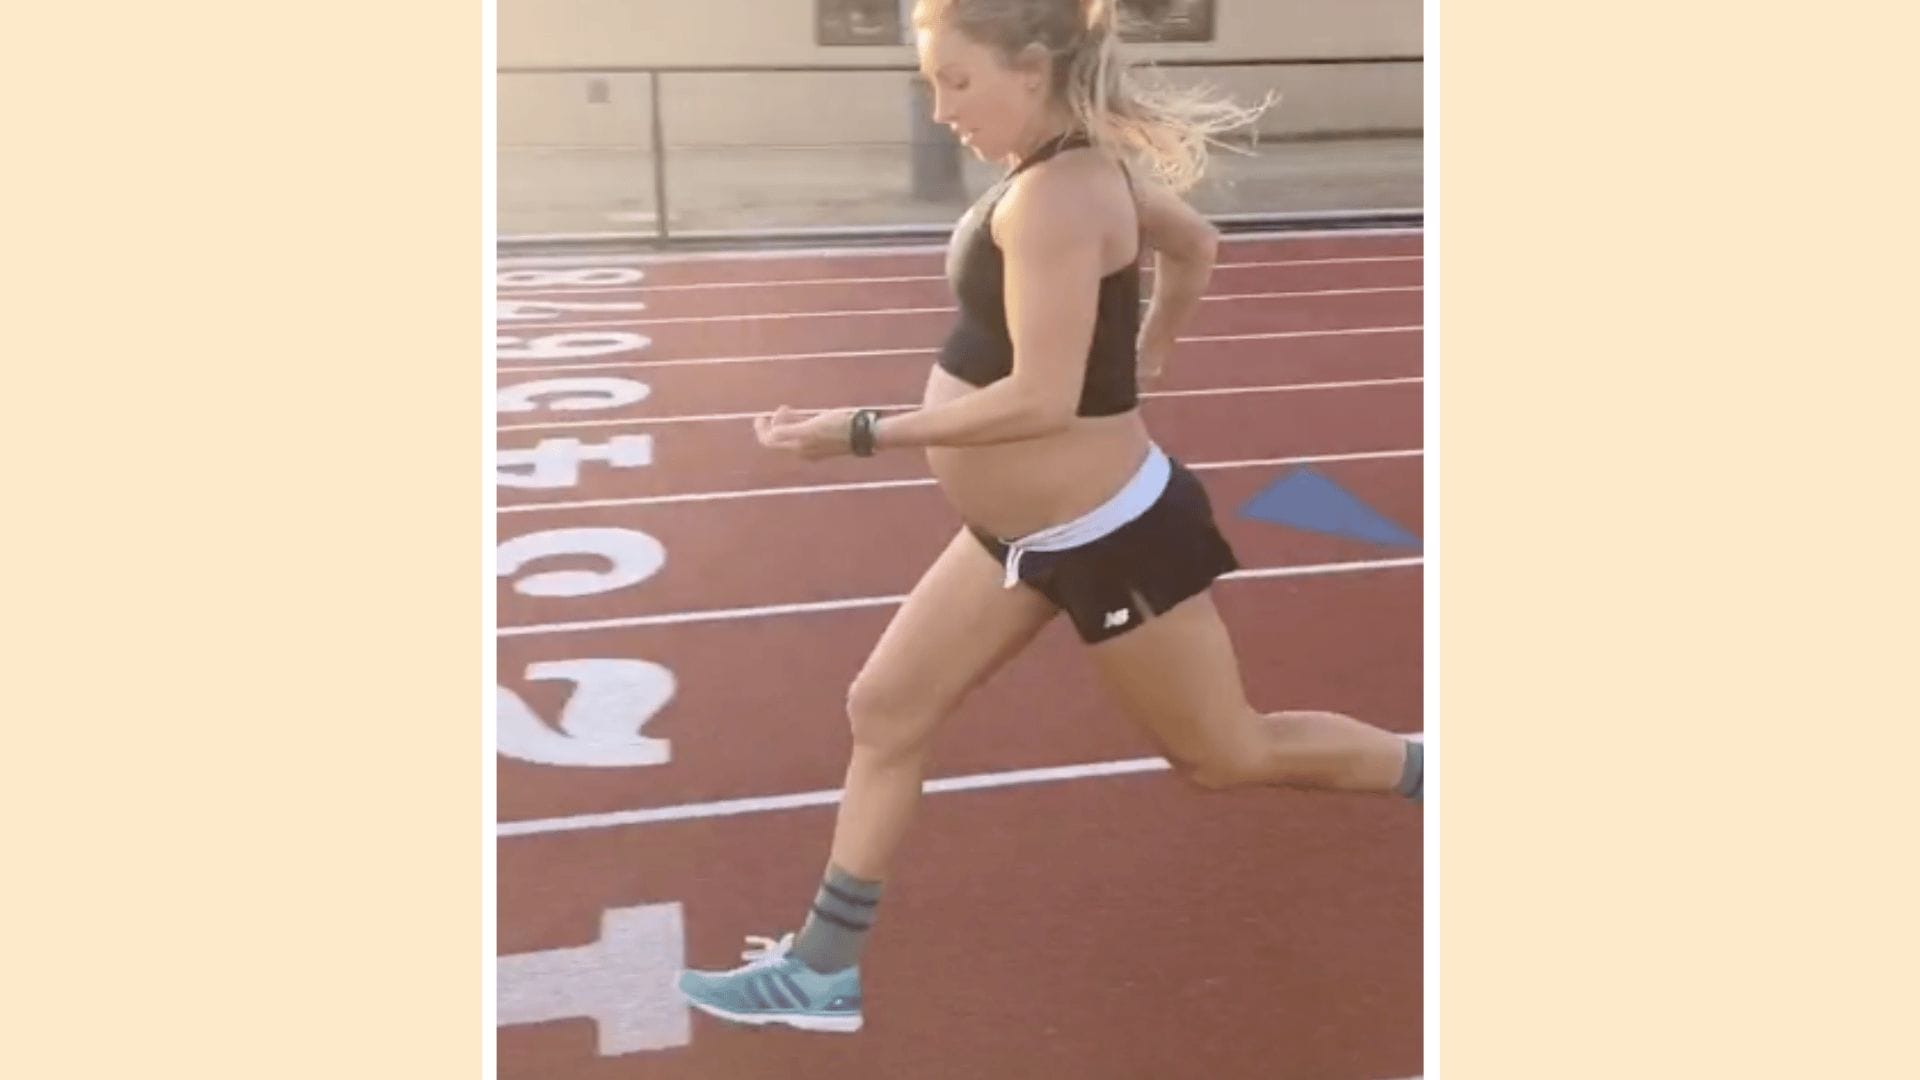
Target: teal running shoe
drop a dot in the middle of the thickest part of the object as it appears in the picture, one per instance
(775, 988)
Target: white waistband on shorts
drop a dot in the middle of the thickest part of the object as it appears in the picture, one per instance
(1128, 503)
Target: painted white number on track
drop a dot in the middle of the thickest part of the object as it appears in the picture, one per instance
(634, 557)
(601, 723)
(574, 394)
(622, 982)
(535, 279)
(555, 463)
(535, 310)
(565, 346)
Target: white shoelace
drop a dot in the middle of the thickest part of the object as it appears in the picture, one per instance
(765, 951)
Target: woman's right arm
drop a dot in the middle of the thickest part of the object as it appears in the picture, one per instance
(1184, 245)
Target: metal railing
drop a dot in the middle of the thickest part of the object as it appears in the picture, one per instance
(927, 139)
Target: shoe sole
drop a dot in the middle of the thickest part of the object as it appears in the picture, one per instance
(844, 1025)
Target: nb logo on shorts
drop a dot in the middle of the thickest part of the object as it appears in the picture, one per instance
(1118, 618)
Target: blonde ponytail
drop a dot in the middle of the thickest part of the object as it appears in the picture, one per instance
(1168, 130)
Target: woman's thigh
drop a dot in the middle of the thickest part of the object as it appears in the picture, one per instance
(957, 627)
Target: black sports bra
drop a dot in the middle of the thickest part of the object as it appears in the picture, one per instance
(979, 349)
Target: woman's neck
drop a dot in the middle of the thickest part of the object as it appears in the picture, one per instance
(1055, 123)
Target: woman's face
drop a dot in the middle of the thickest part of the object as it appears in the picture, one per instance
(991, 106)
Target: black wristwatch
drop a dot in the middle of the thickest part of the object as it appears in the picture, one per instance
(861, 435)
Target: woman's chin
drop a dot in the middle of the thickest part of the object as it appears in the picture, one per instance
(980, 150)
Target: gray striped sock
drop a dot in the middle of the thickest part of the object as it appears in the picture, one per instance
(836, 929)
(1413, 774)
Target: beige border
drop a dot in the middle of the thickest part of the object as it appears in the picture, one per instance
(242, 792)
(1674, 252)
(1674, 795)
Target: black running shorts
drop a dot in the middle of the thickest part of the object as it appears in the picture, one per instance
(1107, 587)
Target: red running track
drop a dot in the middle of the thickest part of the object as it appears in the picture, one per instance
(671, 724)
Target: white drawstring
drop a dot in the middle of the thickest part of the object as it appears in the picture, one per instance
(1014, 551)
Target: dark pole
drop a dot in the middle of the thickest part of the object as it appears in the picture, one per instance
(936, 154)
(659, 160)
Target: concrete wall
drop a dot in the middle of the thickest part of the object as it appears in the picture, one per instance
(834, 109)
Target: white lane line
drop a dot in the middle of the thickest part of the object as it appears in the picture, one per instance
(812, 607)
(523, 325)
(1281, 388)
(717, 496)
(735, 807)
(752, 247)
(513, 292)
(510, 367)
(704, 418)
(807, 799)
(909, 252)
(924, 481)
(765, 611)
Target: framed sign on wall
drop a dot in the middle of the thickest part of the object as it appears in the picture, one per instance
(860, 22)
(1166, 20)
(885, 22)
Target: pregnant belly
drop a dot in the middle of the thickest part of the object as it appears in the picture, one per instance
(1012, 489)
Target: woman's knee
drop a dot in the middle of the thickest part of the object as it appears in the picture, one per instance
(1255, 750)
(1214, 769)
(1224, 760)
(889, 720)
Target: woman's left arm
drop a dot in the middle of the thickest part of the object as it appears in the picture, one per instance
(1050, 238)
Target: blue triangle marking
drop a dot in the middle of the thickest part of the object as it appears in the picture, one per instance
(1304, 499)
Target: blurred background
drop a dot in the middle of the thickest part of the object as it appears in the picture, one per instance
(644, 122)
